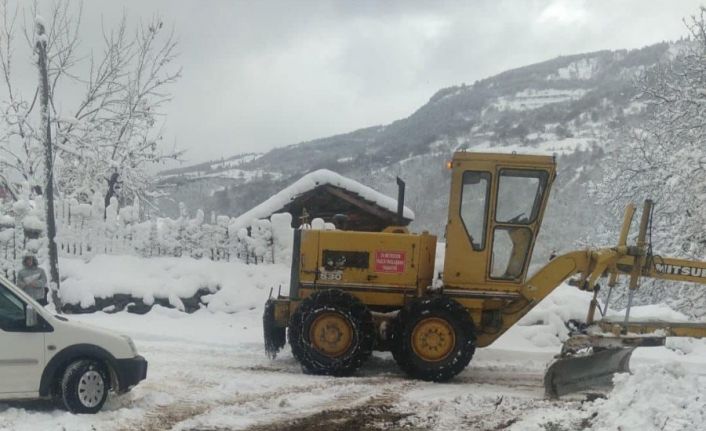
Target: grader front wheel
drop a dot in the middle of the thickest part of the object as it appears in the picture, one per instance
(433, 339)
(331, 333)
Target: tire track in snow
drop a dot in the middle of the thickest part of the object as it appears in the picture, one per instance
(371, 395)
(530, 382)
(370, 412)
(189, 409)
(197, 396)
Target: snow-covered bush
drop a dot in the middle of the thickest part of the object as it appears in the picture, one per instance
(282, 237)
(224, 286)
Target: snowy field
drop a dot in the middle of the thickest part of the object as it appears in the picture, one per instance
(208, 371)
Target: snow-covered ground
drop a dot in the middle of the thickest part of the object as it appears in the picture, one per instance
(235, 286)
(208, 372)
(533, 99)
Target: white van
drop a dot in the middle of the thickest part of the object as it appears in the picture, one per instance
(48, 356)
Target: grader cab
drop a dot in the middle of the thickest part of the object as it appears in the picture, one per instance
(355, 292)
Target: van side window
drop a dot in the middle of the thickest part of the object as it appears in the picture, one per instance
(12, 311)
(474, 203)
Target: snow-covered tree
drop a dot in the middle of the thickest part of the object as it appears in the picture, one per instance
(105, 139)
(665, 159)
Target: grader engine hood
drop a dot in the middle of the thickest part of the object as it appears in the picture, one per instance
(377, 266)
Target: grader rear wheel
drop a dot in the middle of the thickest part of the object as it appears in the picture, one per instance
(331, 333)
(433, 338)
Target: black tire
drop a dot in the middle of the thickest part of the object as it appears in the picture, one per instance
(456, 319)
(56, 397)
(332, 302)
(84, 386)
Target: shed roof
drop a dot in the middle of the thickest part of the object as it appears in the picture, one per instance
(309, 182)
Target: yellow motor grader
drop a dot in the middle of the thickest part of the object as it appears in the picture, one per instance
(355, 292)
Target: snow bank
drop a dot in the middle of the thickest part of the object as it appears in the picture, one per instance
(543, 328)
(654, 398)
(309, 182)
(652, 312)
(235, 285)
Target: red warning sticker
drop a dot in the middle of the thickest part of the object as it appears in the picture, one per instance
(389, 261)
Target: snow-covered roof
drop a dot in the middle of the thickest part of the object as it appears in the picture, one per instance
(309, 182)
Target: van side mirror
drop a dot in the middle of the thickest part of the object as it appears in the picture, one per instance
(31, 320)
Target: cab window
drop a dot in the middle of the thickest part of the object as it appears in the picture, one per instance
(474, 206)
(520, 195)
(510, 250)
(519, 201)
(12, 311)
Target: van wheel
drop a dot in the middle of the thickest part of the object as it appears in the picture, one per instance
(433, 338)
(84, 386)
(331, 333)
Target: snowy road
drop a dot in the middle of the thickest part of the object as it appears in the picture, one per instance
(208, 372)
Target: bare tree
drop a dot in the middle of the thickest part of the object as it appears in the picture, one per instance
(109, 137)
(112, 133)
(112, 130)
(19, 155)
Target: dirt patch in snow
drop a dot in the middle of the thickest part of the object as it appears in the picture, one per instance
(364, 418)
(164, 418)
(376, 413)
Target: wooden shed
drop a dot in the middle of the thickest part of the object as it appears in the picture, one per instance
(325, 194)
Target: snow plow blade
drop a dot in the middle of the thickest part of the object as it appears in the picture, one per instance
(593, 371)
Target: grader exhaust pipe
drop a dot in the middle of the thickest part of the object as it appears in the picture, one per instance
(400, 201)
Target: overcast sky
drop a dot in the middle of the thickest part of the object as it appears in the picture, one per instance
(262, 74)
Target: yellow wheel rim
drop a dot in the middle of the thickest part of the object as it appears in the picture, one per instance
(433, 339)
(331, 334)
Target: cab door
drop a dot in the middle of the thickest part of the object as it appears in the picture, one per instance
(21, 348)
(496, 206)
(520, 201)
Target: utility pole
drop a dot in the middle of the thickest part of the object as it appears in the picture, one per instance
(48, 162)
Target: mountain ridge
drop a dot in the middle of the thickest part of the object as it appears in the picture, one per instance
(576, 106)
